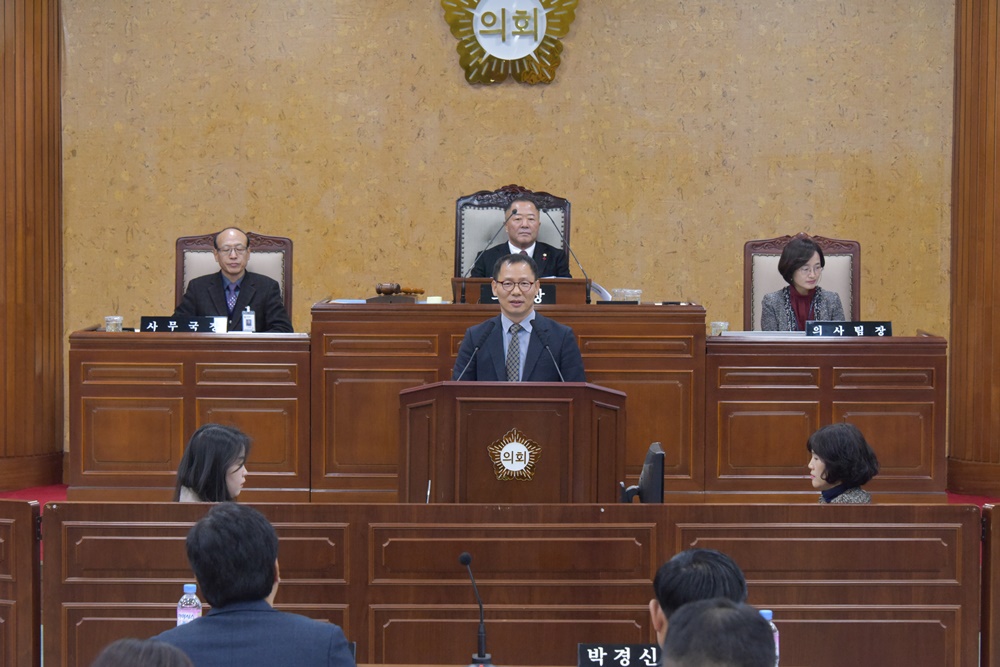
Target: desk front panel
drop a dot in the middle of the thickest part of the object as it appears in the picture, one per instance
(364, 354)
(765, 396)
(136, 398)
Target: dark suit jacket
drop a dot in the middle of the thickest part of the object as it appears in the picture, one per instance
(255, 634)
(490, 362)
(551, 261)
(205, 296)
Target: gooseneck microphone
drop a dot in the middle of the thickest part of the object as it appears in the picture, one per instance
(481, 658)
(482, 340)
(543, 336)
(489, 243)
(568, 247)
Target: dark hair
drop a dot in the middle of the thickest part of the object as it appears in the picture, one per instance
(141, 653)
(207, 458)
(848, 457)
(528, 199)
(215, 239)
(232, 551)
(718, 632)
(698, 574)
(515, 259)
(797, 254)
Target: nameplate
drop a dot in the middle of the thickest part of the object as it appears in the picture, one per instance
(546, 294)
(183, 324)
(617, 655)
(848, 329)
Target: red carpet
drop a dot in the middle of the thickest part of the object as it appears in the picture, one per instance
(45, 494)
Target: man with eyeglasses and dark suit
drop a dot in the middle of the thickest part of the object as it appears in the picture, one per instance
(231, 291)
(519, 345)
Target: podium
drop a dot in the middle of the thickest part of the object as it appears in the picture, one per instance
(502, 442)
(568, 291)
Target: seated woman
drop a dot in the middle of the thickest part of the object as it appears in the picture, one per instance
(213, 467)
(801, 265)
(842, 462)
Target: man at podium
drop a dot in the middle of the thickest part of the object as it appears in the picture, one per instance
(519, 345)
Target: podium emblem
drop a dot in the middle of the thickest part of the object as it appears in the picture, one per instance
(514, 457)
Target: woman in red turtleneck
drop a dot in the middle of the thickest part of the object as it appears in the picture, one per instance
(788, 309)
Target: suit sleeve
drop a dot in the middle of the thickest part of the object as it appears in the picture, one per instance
(339, 654)
(187, 306)
(465, 351)
(836, 307)
(769, 313)
(562, 265)
(570, 359)
(275, 316)
(479, 268)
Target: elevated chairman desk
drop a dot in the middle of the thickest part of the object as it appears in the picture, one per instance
(733, 412)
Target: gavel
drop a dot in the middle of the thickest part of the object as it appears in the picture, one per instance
(388, 289)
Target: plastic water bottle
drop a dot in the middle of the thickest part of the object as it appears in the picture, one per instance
(189, 606)
(769, 617)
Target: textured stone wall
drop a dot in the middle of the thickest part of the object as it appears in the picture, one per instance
(677, 129)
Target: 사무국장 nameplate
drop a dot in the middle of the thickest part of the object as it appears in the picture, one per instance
(183, 324)
(848, 329)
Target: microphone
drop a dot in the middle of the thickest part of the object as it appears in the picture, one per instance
(482, 658)
(567, 246)
(491, 324)
(489, 243)
(543, 336)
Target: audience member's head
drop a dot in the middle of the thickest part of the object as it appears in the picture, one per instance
(840, 455)
(141, 653)
(694, 574)
(213, 467)
(233, 551)
(718, 633)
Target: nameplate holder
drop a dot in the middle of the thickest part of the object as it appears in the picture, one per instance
(546, 294)
(617, 655)
(848, 329)
(183, 324)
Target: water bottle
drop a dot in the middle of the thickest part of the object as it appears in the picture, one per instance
(189, 606)
(769, 616)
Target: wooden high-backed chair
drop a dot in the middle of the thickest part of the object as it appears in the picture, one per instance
(478, 216)
(842, 273)
(269, 255)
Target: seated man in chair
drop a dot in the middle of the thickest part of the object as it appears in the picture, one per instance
(519, 345)
(234, 289)
(522, 232)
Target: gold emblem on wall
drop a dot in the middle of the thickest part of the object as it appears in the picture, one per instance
(514, 457)
(501, 38)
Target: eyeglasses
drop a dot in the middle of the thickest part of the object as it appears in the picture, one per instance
(806, 270)
(230, 249)
(523, 285)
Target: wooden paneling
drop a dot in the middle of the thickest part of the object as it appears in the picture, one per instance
(767, 394)
(31, 393)
(136, 398)
(20, 595)
(991, 588)
(897, 582)
(365, 354)
(974, 430)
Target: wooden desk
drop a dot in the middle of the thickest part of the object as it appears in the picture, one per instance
(365, 354)
(136, 398)
(766, 394)
(881, 584)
